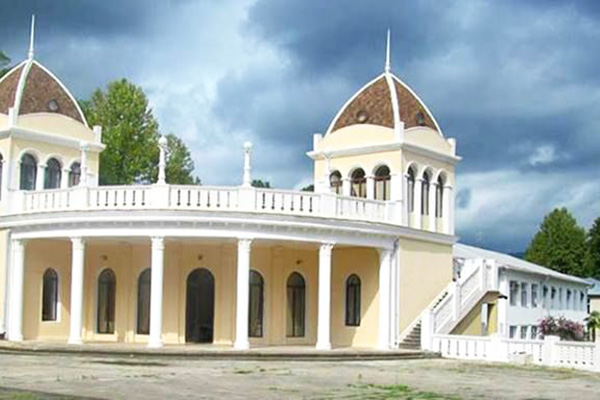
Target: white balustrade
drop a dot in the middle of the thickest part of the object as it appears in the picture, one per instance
(550, 351)
(266, 200)
(287, 202)
(119, 197)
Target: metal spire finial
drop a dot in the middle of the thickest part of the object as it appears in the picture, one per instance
(388, 63)
(32, 37)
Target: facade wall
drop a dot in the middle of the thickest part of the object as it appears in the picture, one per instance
(524, 317)
(472, 323)
(425, 269)
(129, 260)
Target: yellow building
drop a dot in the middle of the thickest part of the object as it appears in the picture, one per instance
(353, 264)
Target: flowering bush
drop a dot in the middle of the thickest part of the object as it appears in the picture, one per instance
(566, 329)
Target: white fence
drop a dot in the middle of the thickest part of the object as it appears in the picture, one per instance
(550, 351)
(136, 197)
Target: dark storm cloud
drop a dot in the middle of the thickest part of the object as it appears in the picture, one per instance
(515, 82)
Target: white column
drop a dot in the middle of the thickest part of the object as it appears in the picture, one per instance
(39, 179)
(370, 187)
(243, 293)
(77, 270)
(405, 210)
(432, 206)
(162, 160)
(385, 259)
(15, 326)
(247, 180)
(448, 210)
(64, 178)
(503, 288)
(324, 307)
(83, 178)
(346, 187)
(418, 195)
(156, 292)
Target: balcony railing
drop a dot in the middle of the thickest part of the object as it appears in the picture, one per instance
(205, 198)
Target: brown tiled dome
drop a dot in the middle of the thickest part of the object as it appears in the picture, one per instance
(374, 104)
(41, 92)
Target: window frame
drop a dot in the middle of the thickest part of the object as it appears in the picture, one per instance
(31, 169)
(259, 333)
(55, 301)
(353, 301)
(52, 174)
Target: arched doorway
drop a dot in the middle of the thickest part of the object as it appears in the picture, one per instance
(200, 306)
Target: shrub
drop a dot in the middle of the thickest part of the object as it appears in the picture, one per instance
(562, 327)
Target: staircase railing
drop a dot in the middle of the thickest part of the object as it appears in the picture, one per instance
(460, 298)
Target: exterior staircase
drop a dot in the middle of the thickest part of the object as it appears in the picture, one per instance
(412, 341)
(453, 303)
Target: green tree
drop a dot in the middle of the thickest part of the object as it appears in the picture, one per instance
(559, 244)
(180, 166)
(593, 324)
(130, 133)
(259, 183)
(4, 61)
(593, 249)
(309, 188)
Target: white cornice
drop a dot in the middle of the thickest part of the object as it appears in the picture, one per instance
(377, 148)
(46, 137)
(224, 224)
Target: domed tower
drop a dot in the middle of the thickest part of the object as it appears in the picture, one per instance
(385, 144)
(45, 140)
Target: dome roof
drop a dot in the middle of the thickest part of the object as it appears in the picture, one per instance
(385, 101)
(30, 88)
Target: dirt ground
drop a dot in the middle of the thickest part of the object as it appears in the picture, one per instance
(40, 376)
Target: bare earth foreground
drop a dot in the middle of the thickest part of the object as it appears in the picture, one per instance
(40, 376)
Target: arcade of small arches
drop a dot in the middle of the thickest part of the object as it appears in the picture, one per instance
(425, 189)
(53, 174)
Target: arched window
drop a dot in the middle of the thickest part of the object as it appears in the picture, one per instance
(256, 305)
(49, 295)
(143, 303)
(52, 176)
(439, 197)
(425, 194)
(353, 300)
(74, 174)
(28, 172)
(410, 183)
(335, 181)
(107, 284)
(382, 183)
(296, 295)
(358, 183)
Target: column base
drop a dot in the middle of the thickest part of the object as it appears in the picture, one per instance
(155, 344)
(15, 338)
(74, 341)
(323, 346)
(241, 345)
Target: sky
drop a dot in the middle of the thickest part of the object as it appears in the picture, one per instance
(516, 83)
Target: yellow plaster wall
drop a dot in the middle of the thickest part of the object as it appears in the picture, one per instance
(428, 138)
(425, 269)
(3, 121)
(595, 304)
(363, 262)
(56, 124)
(274, 263)
(471, 323)
(40, 255)
(356, 136)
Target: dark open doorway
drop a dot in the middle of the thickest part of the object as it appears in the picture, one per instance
(200, 307)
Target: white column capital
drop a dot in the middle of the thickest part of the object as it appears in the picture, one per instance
(77, 242)
(326, 247)
(158, 242)
(244, 244)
